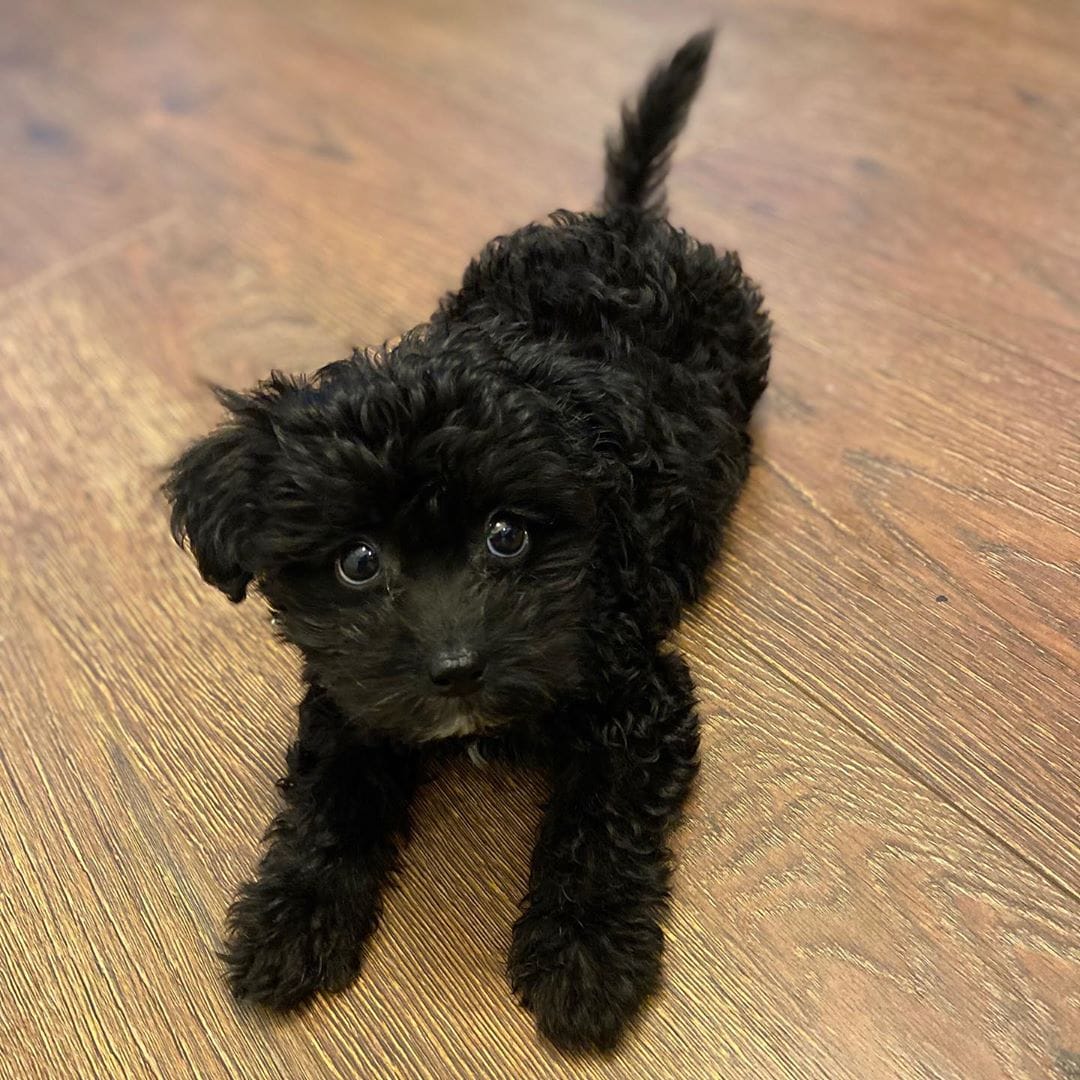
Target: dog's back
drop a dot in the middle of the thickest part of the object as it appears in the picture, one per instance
(661, 340)
(624, 282)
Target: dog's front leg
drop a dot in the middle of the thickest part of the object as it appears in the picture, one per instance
(586, 952)
(300, 926)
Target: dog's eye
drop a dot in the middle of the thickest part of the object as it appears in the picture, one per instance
(358, 566)
(507, 538)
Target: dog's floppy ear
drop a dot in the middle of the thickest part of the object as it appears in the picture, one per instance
(216, 490)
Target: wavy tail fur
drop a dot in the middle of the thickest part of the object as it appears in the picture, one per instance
(638, 156)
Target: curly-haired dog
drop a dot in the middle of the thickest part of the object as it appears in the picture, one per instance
(481, 537)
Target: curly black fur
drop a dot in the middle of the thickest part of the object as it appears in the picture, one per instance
(584, 393)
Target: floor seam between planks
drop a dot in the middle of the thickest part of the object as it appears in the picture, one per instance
(904, 763)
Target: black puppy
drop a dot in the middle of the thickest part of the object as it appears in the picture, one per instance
(484, 535)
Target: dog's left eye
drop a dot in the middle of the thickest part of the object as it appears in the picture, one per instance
(507, 538)
(358, 565)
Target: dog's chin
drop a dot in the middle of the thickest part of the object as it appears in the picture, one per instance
(417, 719)
(453, 718)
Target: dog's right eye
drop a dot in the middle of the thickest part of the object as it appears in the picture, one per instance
(358, 566)
(507, 537)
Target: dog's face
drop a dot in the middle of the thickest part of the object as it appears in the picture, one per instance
(421, 534)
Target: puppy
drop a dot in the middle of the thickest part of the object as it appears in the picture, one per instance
(480, 538)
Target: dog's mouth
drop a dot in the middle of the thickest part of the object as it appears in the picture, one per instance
(457, 723)
(459, 716)
(407, 706)
(424, 718)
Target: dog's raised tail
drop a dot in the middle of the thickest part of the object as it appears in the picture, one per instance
(638, 155)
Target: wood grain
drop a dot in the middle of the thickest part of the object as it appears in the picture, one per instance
(880, 868)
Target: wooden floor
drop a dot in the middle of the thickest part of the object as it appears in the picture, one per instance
(881, 867)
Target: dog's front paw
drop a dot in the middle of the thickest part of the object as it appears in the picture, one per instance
(286, 941)
(584, 976)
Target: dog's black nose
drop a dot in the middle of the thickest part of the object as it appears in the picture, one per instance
(457, 673)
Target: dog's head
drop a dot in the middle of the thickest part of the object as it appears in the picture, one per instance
(419, 524)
